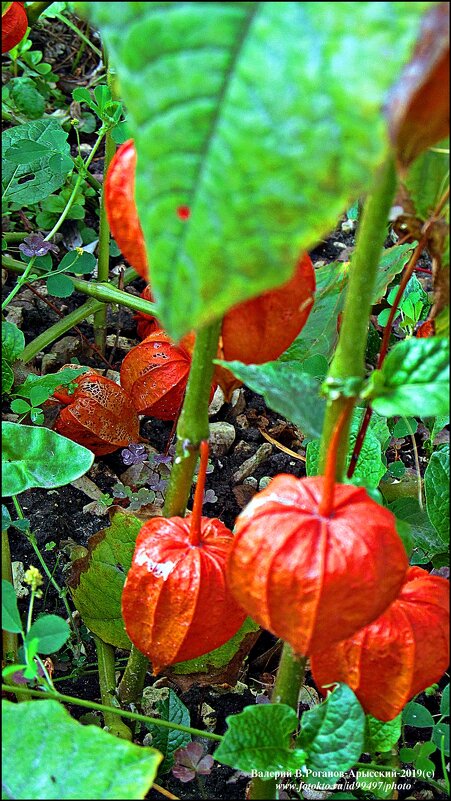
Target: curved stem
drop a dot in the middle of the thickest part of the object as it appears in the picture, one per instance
(349, 358)
(70, 699)
(196, 516)
(409, 269)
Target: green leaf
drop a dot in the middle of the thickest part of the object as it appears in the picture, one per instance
(168, 740)
(425, 538)
(7, 377)
(370, 467)
(414, 376)
(51, 631)
(60, 286)
(441, 730)
(13, 341)
(29, 183)
(379, 785)
(287, 389)
(259, 738)
(393, 261)
(6, 518)
(25, 151)
(10, 614)
(320, 333)
(38, 388)
(296, 69)
(381, 737)
(444, 702)
(221, 656)
(38, 457)
(425, 181)
(333, 732)
(57, 757)
(405, 427)
(436, 485)
(20, 406)
(27, 99)
(82, 95)
(417, 715)
(97, 582)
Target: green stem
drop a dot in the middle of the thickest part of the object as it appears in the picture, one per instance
(70, 699)
(107, 682)
(290, 676)
(103, 264)
(9, 638)
(193, 427)
(79, 33)
(107, 293)
(132, 682)
(349, 358)
(32, 540)
(289, 679)
(58, 329)
(35, 10)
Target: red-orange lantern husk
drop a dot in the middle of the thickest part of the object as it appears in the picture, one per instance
(314, 579)
(155, 373)
(14, 26)
(99, 415)
(146, 323)
(121, 208)
(176, 604)
(398, 655)
(262, 328)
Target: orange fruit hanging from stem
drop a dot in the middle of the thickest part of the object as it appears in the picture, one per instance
(313, 559)
(176, 604)
(398, 655)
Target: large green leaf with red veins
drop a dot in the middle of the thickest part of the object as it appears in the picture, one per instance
(265, 119)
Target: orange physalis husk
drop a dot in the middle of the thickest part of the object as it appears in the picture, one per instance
(155, 373)
(310, 578)
(261, 329)
(175, 603)
(398, 655)
(146, 323)
(99, 415)
(14, 26)
(121, 208)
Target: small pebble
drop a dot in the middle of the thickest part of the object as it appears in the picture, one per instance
(264, 481)
(251, 481)
(217, 402)
(222, 437)
(348, 226)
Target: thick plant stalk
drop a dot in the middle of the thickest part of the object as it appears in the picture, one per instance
(9, 637)
(348, 362)
(192, 428)
(107, 293)
(349, 358)
(107, 681)
(132, 682)
(103, 263)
